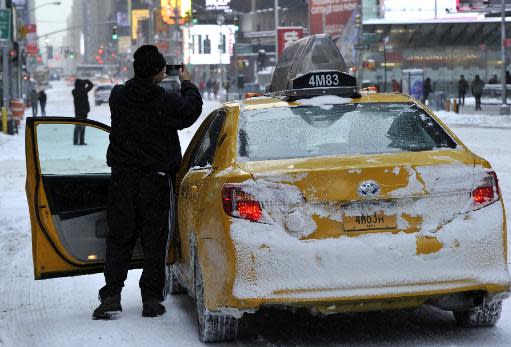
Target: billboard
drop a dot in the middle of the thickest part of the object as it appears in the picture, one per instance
(417, 9)
(31, 42)
(208, 44)
(136, 17)
(218, 5)
(175, 11)
(330, 16)
(288, 35)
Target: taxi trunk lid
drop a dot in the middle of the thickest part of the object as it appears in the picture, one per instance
(410, 192)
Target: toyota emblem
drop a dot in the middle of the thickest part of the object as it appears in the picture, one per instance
(368, 189)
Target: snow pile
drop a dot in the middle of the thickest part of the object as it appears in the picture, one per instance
(325, 102)
(481, 119)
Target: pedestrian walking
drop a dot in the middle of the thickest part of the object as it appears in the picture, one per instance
(42, 101)
(477, 91)
(426, 90)
(227, 87)
(202, 87)
(209, 88)
(145, 155)
(34, 100)
(82, 107)
(462, 90)
(216, 88)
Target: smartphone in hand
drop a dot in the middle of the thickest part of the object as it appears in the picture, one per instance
(173, 69)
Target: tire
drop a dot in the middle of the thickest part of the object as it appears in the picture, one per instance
(174, 286)
(485, 315)
(212, 327)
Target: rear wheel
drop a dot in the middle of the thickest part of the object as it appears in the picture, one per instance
(174, 286)
(212, 327)
(485, 315)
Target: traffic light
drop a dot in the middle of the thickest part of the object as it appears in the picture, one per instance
(14, 52)
(115, 36)
(195, 20)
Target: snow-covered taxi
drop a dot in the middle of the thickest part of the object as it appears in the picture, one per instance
(313, 196)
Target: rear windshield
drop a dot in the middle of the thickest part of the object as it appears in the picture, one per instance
(341, 129)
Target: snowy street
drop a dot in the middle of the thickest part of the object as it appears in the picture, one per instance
(57, 312)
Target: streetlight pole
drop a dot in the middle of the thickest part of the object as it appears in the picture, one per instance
(504, 108)
(57, 3)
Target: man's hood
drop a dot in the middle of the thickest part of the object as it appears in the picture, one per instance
(139, 90)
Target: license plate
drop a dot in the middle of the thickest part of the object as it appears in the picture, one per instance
(370, 222)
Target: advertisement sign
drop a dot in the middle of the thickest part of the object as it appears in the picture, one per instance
(123, 19)
(417, 9)
(209, 44)
(218, 5)
(124, 44)
(288, 35)
(136, 17)
(330, 16)
(175, 11)
(31, 42)
(413, 82)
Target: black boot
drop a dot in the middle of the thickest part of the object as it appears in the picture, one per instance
(109, 307)
(153, 308)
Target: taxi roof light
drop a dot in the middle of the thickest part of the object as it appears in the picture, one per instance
(311, 67)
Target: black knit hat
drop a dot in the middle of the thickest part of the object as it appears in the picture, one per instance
(148, 61)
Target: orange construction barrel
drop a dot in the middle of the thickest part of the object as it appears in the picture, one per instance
(17, 110)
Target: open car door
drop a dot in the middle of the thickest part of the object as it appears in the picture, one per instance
(67, 192)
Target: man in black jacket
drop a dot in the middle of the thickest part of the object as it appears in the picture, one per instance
(144, 155)
(82, 107)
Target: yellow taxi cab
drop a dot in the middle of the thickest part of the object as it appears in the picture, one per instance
(312, 196)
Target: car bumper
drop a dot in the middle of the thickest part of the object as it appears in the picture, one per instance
(273, 267)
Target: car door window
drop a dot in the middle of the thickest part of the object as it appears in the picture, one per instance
(58, 155)
(205, 152)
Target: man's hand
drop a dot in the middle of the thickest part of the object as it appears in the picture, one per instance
(184, 74)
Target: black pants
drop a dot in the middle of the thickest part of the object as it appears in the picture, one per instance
(79, 133)
(34, 109)
(461, 98)
(43, 109)
(139, 205)
(478, 102)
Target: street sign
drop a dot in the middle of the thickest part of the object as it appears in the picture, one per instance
(361, 46)
(5, 24)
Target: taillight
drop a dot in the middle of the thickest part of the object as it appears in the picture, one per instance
(487, 193)
(239, 204)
